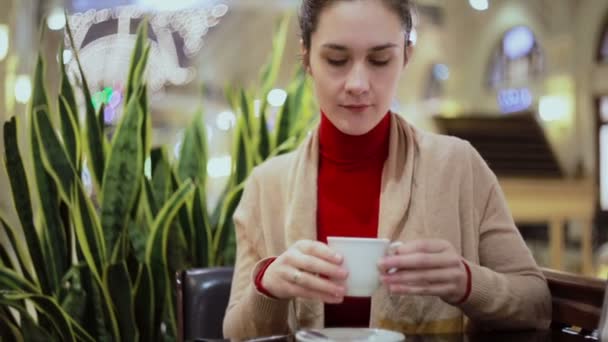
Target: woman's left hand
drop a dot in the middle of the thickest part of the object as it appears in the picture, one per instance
(427, 267)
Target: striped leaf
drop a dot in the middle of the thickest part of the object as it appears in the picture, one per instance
(20, 251)
(88, 231)
(224, 224)
(67, 92)
(283, 126)
(122, 177)
(72, 296)
(246, 109)
(9, 328)
(69, 133)
(21, 199)
(11, 280)
(161, 176)
(150, 200)
(49, 308)
(119, 286)
(156, 250)
(29, 330)
(39, 96)
(193, 155)
(144, 304)
(138, 57)
(271, 70)
(96, 320)
(55, 159)
(200, 245)
(263, 139)
(93, 134)
(52, 239)
(241, 155)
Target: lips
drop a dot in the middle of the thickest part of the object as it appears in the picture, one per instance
(356, 107)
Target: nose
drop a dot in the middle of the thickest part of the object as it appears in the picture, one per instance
(357, 82)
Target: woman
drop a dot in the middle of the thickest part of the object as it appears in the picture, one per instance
(366, 172)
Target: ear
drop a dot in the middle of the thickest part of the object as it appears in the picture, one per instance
(408, 52)
(305, 57)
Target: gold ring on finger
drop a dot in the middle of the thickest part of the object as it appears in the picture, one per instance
(296, 276)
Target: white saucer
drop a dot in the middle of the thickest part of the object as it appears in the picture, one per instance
(349, 334)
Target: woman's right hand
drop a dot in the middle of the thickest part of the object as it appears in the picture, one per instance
(296, 273)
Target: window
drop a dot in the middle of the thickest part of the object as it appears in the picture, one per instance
(438, 73)
(516, 60)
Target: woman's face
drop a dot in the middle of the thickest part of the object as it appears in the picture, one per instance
(356, 57)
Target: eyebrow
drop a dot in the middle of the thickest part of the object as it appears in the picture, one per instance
(344, 48)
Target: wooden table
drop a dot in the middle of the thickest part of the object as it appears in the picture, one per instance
(554, 335)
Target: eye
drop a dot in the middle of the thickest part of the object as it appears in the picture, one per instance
(378, 62)
(336, 62)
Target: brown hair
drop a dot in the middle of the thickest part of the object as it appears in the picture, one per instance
(310, 10)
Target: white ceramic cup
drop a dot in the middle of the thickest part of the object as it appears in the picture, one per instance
(361, 256)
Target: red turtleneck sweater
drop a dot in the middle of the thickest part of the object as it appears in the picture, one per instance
(348, 195)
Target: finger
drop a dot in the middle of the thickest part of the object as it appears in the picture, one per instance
(301, 292)
(312, 282)
(315, 265)
(422, 277)
(422, 246)
(419, 261)
(439, 290)
(320, 250)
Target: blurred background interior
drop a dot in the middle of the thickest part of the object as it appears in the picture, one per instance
(525, 81)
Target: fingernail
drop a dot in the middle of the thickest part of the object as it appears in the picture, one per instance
(338, 257)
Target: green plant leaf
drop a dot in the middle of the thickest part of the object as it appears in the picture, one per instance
(241, 156)
(150, 199)
(69, 132)
(161, 176)
(156, 250)
(246, 107)
(29, 330)
(95, 318)
(88, 231)
(122, 177)
(119, 286)
(21, 199)
(47, 306)
(144, 305)
(67, 92)
(284, 122)
(193, 156)
(72, 296)
(39, 97)
(19, 249)
(264, 139)
(271, 70)
(200, 245)
(10, 280)
(225, 225)
(54, 157)
(138, 60)
(93, 134)
(8, 327)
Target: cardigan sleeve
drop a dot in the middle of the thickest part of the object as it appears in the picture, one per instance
(250, 313)
(508, 290)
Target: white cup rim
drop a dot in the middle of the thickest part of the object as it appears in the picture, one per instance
(357, 239)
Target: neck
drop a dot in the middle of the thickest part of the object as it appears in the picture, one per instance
(339, 147)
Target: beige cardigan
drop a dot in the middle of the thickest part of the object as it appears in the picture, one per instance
(433, 186)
